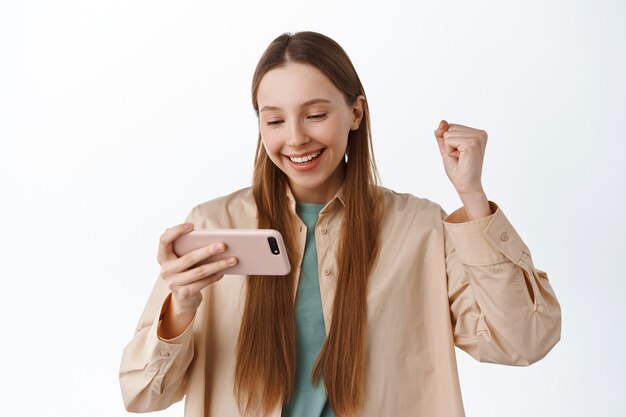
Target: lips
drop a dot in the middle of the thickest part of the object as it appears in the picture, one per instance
(305, 158)
(310, 160)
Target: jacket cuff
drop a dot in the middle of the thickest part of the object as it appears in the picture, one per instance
(163, 352)
(488, 240)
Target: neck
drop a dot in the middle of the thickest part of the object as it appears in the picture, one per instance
(322, 194)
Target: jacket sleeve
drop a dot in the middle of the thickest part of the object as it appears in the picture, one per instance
(503, 309)
(153, 371)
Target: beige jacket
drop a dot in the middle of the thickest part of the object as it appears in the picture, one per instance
(441, 281)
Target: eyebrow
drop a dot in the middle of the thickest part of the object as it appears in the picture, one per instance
(306, 103)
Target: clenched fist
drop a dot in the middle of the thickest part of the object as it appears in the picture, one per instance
(463, 150)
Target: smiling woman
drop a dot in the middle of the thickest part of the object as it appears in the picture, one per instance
(382, 287)
(307, 138)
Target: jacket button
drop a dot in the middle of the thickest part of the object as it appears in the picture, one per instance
(165, 354)
(324, 231)
(327, 272)
(504, 236)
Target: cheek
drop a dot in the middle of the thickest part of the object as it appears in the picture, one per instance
(272, 146)
(334, 134)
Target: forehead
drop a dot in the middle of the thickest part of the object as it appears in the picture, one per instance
(293, 84)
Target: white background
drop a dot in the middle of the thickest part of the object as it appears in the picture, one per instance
(117, 117)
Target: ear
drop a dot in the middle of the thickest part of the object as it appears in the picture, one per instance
(358, 110)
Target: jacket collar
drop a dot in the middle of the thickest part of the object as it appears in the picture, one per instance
(338, 198)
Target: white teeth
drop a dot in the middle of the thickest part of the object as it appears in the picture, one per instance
(306, 158)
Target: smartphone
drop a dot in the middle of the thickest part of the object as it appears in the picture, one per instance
(258, 251)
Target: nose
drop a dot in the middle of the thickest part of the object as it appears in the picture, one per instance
(297, 135)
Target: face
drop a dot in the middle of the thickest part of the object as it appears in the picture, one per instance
(304, 122)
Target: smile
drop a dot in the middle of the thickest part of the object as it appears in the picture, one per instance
(306, 158)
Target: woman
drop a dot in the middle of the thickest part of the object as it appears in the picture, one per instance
(382, 287)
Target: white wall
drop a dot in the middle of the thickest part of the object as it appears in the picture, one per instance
(117, 117)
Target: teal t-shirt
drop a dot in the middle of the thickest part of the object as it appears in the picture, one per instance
(309, 400)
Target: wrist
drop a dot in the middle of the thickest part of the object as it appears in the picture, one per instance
(174, 319)
(178, 311)
(476, 205)
(475, 192)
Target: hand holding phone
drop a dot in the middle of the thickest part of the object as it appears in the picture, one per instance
(259, 251)
(182, 278)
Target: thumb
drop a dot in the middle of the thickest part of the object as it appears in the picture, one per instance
(441, 129)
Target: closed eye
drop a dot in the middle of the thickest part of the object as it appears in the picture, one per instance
(313, 116)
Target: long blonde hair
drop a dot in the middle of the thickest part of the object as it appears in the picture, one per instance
(266, 357)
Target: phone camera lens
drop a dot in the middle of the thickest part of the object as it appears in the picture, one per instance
(273, 245)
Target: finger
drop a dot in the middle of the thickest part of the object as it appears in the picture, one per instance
(443, 126)
(442, 147)
(455, 154)
(464, 142)
(198, 285)
(203, 271)
(460, 135)
(468, 130)
(456, 126)
(452, 151)
(453, 146)
(165, 252)
(190, 259)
